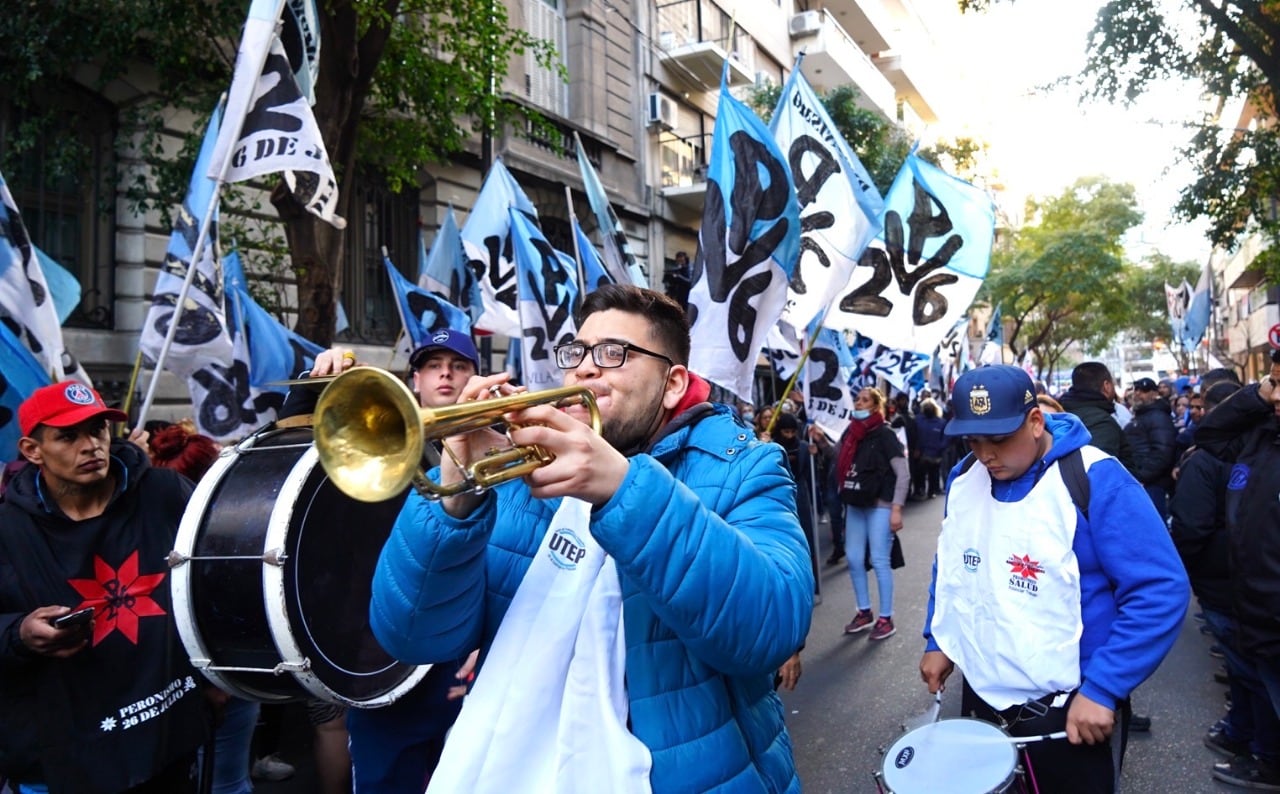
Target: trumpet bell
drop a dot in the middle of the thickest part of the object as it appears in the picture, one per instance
(369, 434)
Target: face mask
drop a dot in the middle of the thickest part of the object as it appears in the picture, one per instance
(748, 417)
(861, 413)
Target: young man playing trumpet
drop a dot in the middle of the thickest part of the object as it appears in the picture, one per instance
(632, 598)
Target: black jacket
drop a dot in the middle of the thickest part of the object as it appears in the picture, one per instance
(1151, 437)
(1099, 417)
(1198, 523)
(129, 704)
(1244, 432)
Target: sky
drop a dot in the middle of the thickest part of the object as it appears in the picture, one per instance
(1042, 141)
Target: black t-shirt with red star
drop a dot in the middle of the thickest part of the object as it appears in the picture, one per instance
(129, 704)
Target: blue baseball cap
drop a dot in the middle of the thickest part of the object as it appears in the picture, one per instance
(991, 401)
(446, 339)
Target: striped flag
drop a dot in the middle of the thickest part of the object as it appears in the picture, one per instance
(486, 236)
(840, 206)
(924, 269)
(202, 337)
(620, 263)
(747, 248)
(444, 270)
(548, 290)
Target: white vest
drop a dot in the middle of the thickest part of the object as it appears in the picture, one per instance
(548, 712)
(1007, 594)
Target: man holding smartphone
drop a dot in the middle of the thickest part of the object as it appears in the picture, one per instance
(103, 700)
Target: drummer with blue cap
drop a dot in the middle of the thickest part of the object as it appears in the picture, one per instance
(1056, 589)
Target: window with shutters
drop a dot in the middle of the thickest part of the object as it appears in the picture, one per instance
(543, 86)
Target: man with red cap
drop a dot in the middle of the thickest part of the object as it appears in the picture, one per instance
(107, 702)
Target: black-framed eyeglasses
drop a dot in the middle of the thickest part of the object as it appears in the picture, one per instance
(606, 355)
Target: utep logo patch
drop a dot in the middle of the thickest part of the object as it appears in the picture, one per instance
(972, 559)
(567, 549)
(1022, 574)
(79, 394)
(1239, 477)
(979, 400)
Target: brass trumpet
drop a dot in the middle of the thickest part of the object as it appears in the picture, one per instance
(370, 434)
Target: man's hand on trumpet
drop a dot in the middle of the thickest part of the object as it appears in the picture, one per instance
(585, 465)
(471, 447)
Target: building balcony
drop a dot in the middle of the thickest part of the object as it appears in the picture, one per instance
(913, 79)
(832, 58)
(867, 21)
(684, 174)
(695, 38)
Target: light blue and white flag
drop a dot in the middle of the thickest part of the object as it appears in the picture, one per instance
(19, 377)
(202, 336)
(995, 327)
(277, 128)
(26, 303)
(226, 405)
(1197, 318)
(896, 366)
(423, 312)
(620, 263)
(486, 236)
(920, 275)
(548, 291)
(828, 399)
(593, 270)
(840, 207)
(953, 353)
(64, 287)
(300, 35)
(747, 248)
(444, 270)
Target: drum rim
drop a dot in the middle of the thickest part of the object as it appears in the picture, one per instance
(274, 582)
(888, 770)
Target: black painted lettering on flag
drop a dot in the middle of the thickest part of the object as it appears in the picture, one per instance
(751, 202)
(229, 405)
(929, 219)
(553, 311)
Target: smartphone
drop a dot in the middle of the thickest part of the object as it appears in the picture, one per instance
(75, 619)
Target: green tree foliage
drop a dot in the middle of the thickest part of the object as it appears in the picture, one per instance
(1057, 279)
(1232, 49)
(403, 83)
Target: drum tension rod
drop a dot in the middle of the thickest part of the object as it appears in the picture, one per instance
(275, 557)
(279, 669)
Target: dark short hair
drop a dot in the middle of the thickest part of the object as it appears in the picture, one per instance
(666, 318)
(1217, 393)
(1213, 376)
(1090, 375)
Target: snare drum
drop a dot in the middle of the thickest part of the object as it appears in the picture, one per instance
(272, 573)
(959, 756)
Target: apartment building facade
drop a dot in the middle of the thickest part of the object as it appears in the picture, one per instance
(641, 95)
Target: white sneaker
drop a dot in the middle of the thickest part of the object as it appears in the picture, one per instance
(270, 767)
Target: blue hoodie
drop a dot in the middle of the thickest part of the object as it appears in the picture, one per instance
(1133, 589)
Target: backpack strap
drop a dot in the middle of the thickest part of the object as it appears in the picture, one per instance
(1073, 472)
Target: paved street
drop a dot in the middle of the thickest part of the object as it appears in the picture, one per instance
(854, 695)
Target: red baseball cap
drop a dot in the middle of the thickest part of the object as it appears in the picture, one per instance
(63, 405)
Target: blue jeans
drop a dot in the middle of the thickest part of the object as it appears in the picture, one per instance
(1251, 717)
(863, 524)
(231, 747)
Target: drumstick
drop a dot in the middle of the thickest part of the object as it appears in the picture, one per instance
(1008, 739)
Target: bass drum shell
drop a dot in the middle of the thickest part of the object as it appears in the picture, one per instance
(297, 628)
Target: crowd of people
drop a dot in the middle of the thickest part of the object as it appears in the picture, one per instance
(1103, 505)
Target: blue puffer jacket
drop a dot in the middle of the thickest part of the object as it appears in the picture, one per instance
(716, 584)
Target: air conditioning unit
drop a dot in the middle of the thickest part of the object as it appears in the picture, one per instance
(661, 111)
(806, 23)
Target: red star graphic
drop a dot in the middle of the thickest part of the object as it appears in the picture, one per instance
(1024, 566)
(119, 597)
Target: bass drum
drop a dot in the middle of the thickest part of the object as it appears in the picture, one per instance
(272, 575)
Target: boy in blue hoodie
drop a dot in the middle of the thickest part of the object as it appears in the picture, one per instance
(1055, 589)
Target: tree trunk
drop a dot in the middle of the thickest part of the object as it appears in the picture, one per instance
(315, 249)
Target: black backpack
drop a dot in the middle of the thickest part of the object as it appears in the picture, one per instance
(1073, 475)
